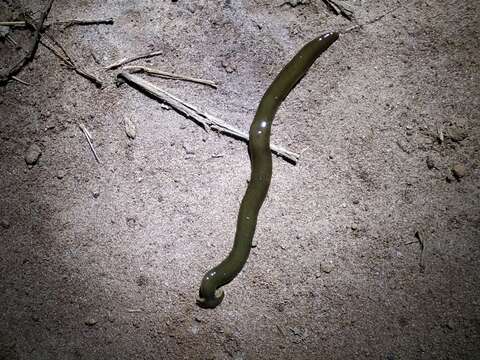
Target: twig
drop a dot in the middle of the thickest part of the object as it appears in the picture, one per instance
(15, 69)
(65, 23)
(69, 62)
(378, 18)
(134, 310)
(13, 23)
(421, 241)
(339, 9)
(166, 75)
(72, 22)
(20, 80)
(89, 139)
(205, 119)
(128, 60)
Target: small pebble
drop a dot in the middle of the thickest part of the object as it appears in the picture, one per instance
(96, 194)
(188, 150)
(327, 267)
(354, 226)
(130, 128)
(90, 322)
(32, 154)
(458, 170)
(457, 134)
(355, 201)
(228, 68)
(60, 174)
(131, 221)
(4, 224)
(430, 163)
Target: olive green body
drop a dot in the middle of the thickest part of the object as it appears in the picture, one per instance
(211, 294)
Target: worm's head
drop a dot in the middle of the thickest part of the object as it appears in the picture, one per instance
(208, 301)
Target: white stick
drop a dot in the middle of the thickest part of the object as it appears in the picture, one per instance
(208, 121)
(128, 60)
(89, 139)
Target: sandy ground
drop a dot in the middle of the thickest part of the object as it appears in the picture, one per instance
(103, 261)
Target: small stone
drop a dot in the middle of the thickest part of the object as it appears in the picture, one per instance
(96, 194)
(60, 174)
(457, 134)
(449, 178)
(32, 154)
(130, 128)
(197, 319)
(131, 221)
(90, 322)
(450, 324)
(4, 224)
(355, 201)
(327, 267)
(430, 163)
(228, 68)
(35, 318)
(354, 226)
(142, 280)
(188, 150)
(458, 170)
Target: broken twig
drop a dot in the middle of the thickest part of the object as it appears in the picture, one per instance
(64, 23)
(205, 119)
(15, 69)
(129, 60)
(378, 18)
(339, 9)
(71, 22)
(420, 238)
(65, 57)
(166, 75)
(89, 139)
(20, 80)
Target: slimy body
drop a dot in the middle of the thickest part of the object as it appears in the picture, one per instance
(211, 293)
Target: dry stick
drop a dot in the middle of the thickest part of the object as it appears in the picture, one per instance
(371, 21)
(72, 22)
(207, 120)
(15, 69)
(65, 23)
(167, 75)
(89, 139)
(68, 60)
(128, 60)
(419, 236)
(13, 23)
(20, 80)
(339, 9)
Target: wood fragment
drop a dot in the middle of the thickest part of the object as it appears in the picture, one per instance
(67, 59)
(134, 310)
(13, 23)
(89, 140)
(206, 120)
(20, 80)
(378, 18)
(15, 69)
(167, 75)
(339, 9)
(133, 58)
(71, 22)
(420, 238)
(64, 23)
